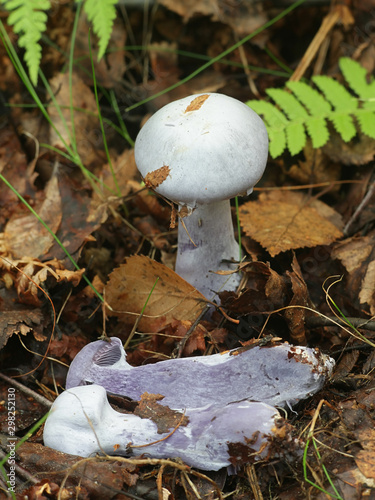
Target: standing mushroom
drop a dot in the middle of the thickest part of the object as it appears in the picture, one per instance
(199, 152)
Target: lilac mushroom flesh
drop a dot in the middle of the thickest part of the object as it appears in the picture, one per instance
(228, 398)
(82, 422)
(210, 148)
(279, 375)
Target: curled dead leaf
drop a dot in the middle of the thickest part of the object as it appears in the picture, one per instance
(25, 236)
(357, 254)
(156, 177)
(130, 286)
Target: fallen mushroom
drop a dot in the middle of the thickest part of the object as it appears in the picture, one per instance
(199, 152)
(82, 422)
(279, 375)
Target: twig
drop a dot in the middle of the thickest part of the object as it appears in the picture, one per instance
(360, 207)
(181, 345)
(39, 398)
(328, 23)
(23, 473)
(315, 321)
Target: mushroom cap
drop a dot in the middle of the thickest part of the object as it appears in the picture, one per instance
(202, 149)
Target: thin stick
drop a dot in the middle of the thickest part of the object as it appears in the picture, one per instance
(328, 23)
(38, 397)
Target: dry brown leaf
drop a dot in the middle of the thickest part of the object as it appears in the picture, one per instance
(242, 17)
(35, 273)
(116, 179)
(165, 418)
(13, 166)
(109, 70)
(130, 285)
(156, 177)
(365, 461)
(316, 167)
(25, 236)
(85, 124)
(16, 318)
(358, 151)
(80, 218)
(265, 290)
(282, 221)
(295, 317)
(357, 254)
(196, 103)
(85, 475)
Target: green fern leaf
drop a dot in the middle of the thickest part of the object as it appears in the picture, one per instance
(318, 131)
(318, 108)
(366, 120)
(336, 93)
(342, 101)
(344, 125)
(296, 137)
(308, 109)
(356, 76)
(276, 122)
(101, 13)
(29, 22)
(288, 103)
(310, 98)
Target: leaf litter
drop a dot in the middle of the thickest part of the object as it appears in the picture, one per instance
(320, 230)
(296, 223)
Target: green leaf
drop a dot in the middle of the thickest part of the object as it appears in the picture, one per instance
(366, 120)
(318, 131)
(356, 76)
(288, 103)
(101, 13)
(310, 98)
(296, 137)
(275, 122)
(309, 109)
(277, 142)
(272, 116)
(29, 22)
(336, 93)
(344, 125)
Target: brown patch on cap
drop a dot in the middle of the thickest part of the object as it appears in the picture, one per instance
(197, 103)
(156, 177)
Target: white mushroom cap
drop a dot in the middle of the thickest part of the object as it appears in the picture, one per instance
(202, 149)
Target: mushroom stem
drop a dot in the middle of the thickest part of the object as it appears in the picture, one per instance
(205, 245)
(83, 423)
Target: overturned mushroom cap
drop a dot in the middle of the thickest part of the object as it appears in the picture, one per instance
(277, 375)
(201, 149)
(82, 422)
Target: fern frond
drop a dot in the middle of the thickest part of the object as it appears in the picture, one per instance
(300, 108)
(355, 75)
(342, 101)
(101, 13)
(277, 122)
(366, 120)
(29, 20)
(288, 103)
(294, 129)
(318, 108)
